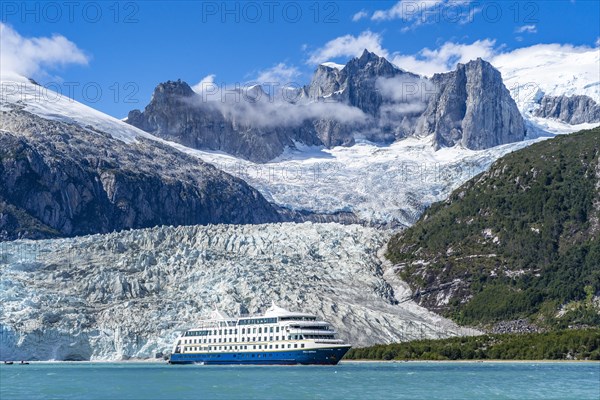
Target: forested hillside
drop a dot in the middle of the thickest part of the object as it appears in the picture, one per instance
(520, 240)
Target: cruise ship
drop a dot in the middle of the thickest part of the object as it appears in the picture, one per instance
(277, 337)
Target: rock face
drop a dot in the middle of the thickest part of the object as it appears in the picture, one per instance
(356, 83)
(129, 294)
(359, 84)
(60, 179)
(178, 114)
(570, 109)
(471, 107)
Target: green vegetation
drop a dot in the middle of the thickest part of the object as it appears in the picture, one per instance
(519, 241)
(16, 222)
(557, 345)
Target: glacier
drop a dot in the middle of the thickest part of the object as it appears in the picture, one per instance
(128, 295)
(381, 185)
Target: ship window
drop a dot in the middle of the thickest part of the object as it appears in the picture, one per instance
(302, 345)
(276, 337)
(243, 330)
(259, 330)
(277, 329)
(270, 346)
(230, 331)
(289, 345)
(295, 345)
(271, 338)
(235, 331)
(220, 331)
(271, 329)
(253, 330)
(254, 347)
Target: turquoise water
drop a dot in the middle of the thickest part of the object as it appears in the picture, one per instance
(412, 380)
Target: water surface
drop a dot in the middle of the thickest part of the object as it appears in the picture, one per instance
(409, 380)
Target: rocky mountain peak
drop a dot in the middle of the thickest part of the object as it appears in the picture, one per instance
(173, 88)
(576, 109)
(471, 107)
(372, 65)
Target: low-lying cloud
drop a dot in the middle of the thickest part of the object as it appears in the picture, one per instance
(251, 106)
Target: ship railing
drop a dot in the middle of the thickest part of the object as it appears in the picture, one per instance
(329, 341)
(311, 332)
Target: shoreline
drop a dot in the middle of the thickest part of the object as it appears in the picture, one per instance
(468, 361)
(154, 361)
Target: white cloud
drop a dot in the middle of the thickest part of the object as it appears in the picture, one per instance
(205, 83)
(360, 15)
(427, 61)
(280, 73)
(526, 29)
(348, 46)
(240, 105)
(598, 42)
(33, 56)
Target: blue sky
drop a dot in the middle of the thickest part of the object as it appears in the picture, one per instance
(127, 48)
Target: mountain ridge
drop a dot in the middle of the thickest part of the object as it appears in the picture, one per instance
(67, 169)
(385, 103)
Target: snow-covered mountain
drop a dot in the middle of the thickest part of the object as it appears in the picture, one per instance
(66, 169)
(128, 294)
(550, 81)
(378, 184)
(531, 73)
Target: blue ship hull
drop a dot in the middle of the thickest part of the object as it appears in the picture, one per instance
(322, 356)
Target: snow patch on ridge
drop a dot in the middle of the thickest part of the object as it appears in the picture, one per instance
(48, 104)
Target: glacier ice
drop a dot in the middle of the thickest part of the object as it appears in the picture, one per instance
(128, 294)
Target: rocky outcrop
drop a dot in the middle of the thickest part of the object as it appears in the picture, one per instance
(178, 114)
(471, 107)
(356, 83)
(129, 294)
(359, 84)
(570, 109)
(60, 179)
